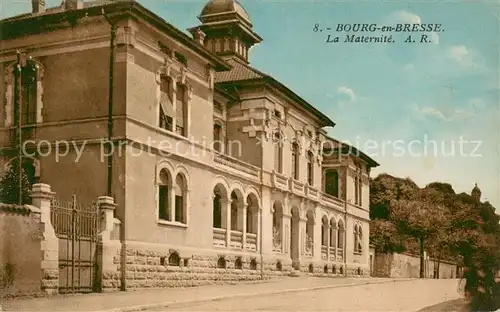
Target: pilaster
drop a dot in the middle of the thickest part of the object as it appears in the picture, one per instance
(42, 196)
(109, 276)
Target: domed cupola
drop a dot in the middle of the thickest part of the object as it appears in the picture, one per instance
(476, 193)
(227, 29)
(219, 9)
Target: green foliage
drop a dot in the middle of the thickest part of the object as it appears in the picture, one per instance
(448, 225)
(9, 185)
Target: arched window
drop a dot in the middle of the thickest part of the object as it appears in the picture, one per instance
(360, 239)
(234, 211)
(253, 264)
(181, 111)
(251, 214)
(180, 201)
(220, 209)
(333, 233)
(340, 234)
(163, 196)
(310, 168)
(278, 153)
(238, 264)
(356, 238)
(295, 160)
(221, 263)
(332, 183)
(218, 138)
(324, 231)
(174, 259)
(217, 212)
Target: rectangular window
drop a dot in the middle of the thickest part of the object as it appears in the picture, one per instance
(356, 190)
(179, 211)
(29, 104)
(165, 121)
(180, 114)
(278, 154)
(294, 165)
(360, 190)
(166, 104)
(217, 138)
(309, 173)
(163, 211)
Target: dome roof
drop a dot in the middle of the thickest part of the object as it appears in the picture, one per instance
(476, 192)
(224, 6)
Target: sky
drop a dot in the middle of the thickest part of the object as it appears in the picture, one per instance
(428, 111)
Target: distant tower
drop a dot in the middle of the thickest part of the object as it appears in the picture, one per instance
(476, 193)
(227, 29)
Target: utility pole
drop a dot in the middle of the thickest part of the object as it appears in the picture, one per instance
(21, 62)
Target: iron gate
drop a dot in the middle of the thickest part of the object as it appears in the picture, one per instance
(77, 227)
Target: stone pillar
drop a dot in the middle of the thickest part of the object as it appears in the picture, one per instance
(302, 228)
(228, 222)
(107, 207)
(41, 197)
(317, 232)
(109, 249)
(266, 219)
(335, 241)
(188, 107)
(328, 238)
(287, 224)
(244, 231)
(259, 230)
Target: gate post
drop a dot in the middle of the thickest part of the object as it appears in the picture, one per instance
(109, 248)
(41, 197)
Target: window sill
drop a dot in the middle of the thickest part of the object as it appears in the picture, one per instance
(356, 253)
(173, 224)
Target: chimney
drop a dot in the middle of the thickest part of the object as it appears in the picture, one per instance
(198, 35)
(38, 6)
(73, 4)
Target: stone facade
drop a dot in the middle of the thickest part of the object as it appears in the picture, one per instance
(204, 163)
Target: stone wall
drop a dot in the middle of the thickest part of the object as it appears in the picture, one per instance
(159, 265)
(156, 266)
(408, 266)
(20, 245)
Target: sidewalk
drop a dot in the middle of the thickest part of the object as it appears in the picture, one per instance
(157, 298)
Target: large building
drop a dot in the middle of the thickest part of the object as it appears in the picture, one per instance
(215, 165)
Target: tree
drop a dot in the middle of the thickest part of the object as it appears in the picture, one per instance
(9, 185)
(421, 218)
(385, 238)
(383, 233)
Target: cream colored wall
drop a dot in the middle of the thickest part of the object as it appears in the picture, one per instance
(20, 253)
(143, 63)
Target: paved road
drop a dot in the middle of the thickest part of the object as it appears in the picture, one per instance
(395, 296)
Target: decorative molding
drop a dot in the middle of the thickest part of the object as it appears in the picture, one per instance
(125, 57)
(9, 94)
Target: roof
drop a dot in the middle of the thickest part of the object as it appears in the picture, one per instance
(242, 73)
(346, 149)
(214, 7)
(53, 18)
